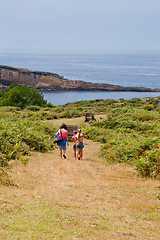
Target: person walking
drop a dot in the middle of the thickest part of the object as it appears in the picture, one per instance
(74, 140)
(62, 145)
(79, 145)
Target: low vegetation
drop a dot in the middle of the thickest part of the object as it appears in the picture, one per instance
(130, 133)
(22, 132)
(66, 199)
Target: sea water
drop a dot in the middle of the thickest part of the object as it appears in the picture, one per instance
(124, 68)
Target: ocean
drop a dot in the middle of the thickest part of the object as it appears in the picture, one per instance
(124, 68)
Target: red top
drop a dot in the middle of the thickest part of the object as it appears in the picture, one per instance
(64, 132)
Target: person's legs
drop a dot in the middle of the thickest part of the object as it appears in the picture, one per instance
(74, 153)
(81, 150)
(81, 153)
(78, 153)
(64, 153)
(60, 151)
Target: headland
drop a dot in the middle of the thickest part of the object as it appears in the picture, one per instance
(47, 81)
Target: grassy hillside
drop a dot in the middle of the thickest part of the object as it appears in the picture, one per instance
(54, 198)
(130, 132)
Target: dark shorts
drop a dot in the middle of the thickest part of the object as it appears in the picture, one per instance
(80, 145)
(74, 146)
(62, 148)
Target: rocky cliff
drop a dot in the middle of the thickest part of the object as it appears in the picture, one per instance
(54, 82)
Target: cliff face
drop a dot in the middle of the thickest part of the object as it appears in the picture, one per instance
(9, 75)
(51, 81)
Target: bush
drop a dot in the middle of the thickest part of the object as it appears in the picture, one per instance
(148, 165)
(19, 136)
(21, 96)
(50, 105)
(33, 108)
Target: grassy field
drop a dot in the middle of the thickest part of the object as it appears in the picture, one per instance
(66, 199)
(101, 197)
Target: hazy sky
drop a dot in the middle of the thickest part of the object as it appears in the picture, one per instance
(79, 24)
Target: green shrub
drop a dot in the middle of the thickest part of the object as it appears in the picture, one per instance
(21, 96)
(148, 165)
(149, 107)
(50, 105)
(24, 160)
(33, 108)
(19, 136)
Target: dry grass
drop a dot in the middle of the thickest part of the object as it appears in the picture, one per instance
(76, 121)
(67, 199)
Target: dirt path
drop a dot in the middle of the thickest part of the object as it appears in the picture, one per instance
(67, 199)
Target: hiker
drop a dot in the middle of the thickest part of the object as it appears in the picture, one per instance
(62, 145)
(79, 145)
(74, 140)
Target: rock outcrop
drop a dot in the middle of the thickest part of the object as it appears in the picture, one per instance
(54, 82)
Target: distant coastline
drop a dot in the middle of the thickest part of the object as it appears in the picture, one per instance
(47, 81)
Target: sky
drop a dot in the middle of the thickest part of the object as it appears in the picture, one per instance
(79, 24)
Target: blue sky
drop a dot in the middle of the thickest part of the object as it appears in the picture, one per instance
(79, 24)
